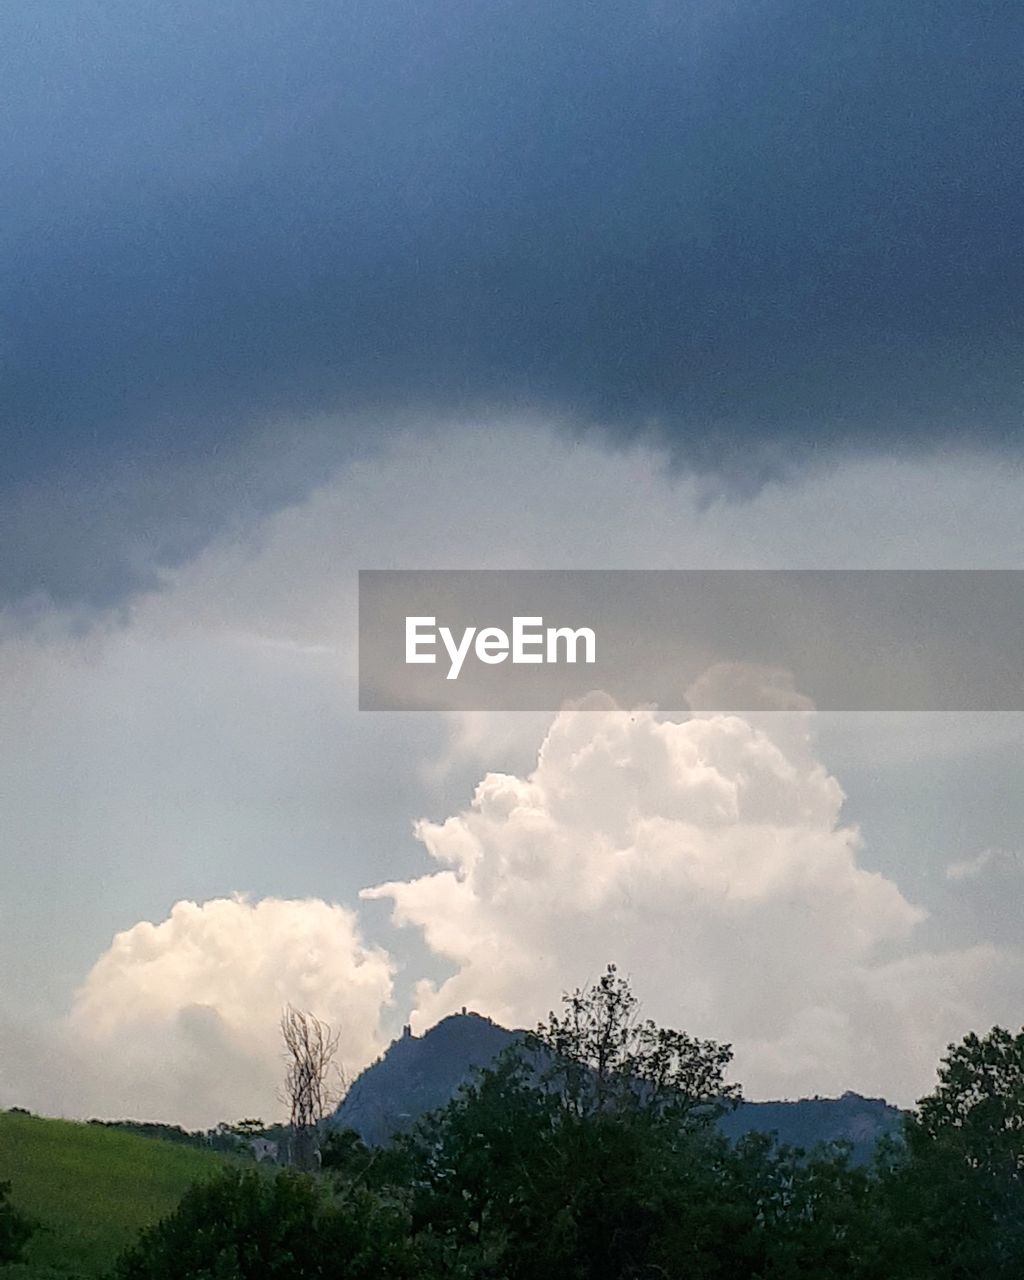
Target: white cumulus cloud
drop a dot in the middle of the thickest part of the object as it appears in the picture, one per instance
(710, 860)
(180, 1019)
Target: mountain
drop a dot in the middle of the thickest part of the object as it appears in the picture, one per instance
(809, 1121)
(418, 1074)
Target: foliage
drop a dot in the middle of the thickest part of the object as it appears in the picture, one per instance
(593, 1157)
(343, 1151)
(954, 1193)
(15, 1228)
(234, 1138)
(249, 1128)
(590, 1154)
(509, 1184)
(978, 1105)
(813, 1212)
(243, 1225)
(600, 1056)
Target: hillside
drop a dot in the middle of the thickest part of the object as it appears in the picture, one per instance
(417, 1074)
(92, 1188)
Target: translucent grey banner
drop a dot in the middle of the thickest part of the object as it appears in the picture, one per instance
(730, 640)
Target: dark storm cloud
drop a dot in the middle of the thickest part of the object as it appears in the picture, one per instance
(762, 230)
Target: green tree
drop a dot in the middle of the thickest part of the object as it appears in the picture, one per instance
(599, 1055)
(343, 1152)
(815, 1213)
(244, 1225)
(249, 1128)
(589, 1153)
(978, 1104)
(955, 1190)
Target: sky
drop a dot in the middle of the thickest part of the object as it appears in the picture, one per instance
(291, 291)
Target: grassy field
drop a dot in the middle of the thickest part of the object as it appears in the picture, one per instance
(91, 1188)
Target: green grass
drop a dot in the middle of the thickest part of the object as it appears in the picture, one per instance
(92, 1189)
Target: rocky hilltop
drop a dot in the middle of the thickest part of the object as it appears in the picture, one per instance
(417, 1074)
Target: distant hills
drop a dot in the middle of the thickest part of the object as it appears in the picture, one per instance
(418, 1074)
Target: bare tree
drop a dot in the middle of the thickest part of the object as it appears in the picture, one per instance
(313, 1083)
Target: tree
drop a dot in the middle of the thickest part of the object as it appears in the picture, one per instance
(599, 1055)
(978, 1104)
(243, 1225)
(15, 1228)
(802, 1215)
(312, 1079)
(344, 1153)
(590, 1152)
(249, 1128)
(955, 1190)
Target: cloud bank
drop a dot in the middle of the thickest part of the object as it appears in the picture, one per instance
(761, 234)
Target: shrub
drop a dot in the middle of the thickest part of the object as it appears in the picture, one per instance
(245, 1225)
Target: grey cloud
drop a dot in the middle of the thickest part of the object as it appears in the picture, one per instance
(758, 234)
